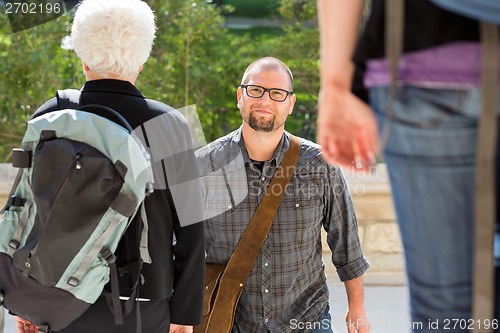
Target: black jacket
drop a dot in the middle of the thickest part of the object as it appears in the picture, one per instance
(182, 279)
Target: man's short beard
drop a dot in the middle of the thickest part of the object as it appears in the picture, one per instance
(257, 125)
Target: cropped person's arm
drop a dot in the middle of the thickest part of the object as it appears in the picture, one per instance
(339, 26)
(356, 319)
(347, 129)
(24, 326)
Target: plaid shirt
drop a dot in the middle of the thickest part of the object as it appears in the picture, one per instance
(287, 283)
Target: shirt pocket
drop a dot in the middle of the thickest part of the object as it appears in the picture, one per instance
(301, 212)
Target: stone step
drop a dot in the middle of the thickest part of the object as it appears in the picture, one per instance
(378, 230)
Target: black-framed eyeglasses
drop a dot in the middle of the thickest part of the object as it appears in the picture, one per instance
(276, 94)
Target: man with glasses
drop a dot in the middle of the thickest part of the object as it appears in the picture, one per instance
(286, 289)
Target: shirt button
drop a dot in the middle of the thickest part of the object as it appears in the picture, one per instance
(266, 291)
(266, 264)
(297, 205)
(263, 179)
(229, 207)
(266, 320)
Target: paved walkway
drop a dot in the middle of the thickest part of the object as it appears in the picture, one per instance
(386, 307)
(249, 22)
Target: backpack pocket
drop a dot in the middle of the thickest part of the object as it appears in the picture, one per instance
(12, 228)
(42, 305)
(73, 187)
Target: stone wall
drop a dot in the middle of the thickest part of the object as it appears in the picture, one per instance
(7, 175)
(377, 226)
(378, 229)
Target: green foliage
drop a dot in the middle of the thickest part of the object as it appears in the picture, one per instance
(196, 60)
(192, 62)
(254, 8)
(297, 45)
(298, 12)
(299, 49)
(32, 67)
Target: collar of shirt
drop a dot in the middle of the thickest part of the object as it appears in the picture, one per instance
(238, 147)
(111, 86)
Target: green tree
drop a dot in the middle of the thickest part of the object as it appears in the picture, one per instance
(299, 48)
(32, 67)
(196, 60)
(192, 62)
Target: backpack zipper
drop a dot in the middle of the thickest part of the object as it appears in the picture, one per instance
(75, 165)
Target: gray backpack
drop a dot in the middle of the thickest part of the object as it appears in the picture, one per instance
(82, 179)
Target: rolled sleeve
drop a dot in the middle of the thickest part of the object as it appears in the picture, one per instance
(353, 269)
(342, 229)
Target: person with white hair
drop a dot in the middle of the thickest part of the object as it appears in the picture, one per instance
(113, 39)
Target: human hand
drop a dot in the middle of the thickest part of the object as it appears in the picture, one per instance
(357, 321)
(174, 328)
(347, 129)
(24, 326)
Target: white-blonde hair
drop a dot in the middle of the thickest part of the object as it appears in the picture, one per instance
(113, 37)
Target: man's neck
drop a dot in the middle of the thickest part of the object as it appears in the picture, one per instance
(261, 145)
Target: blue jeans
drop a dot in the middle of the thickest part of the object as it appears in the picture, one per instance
(430, 155)
(326, 323)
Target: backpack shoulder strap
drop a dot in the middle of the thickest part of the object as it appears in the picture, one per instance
(486, 173)
(68, 99)
(10, 198)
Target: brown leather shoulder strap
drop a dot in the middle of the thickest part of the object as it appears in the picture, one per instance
(485, 196)
(248, 248)
(241, 262)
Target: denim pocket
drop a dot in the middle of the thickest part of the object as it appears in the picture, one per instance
(428, 123)
(427, 108)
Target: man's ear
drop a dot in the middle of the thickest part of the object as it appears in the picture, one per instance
(239, 95)
(293, 98)
(85, 67)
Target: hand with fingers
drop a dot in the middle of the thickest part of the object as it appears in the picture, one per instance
(347, 129)
(24, 326)
(357, 321)
(174, 328)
